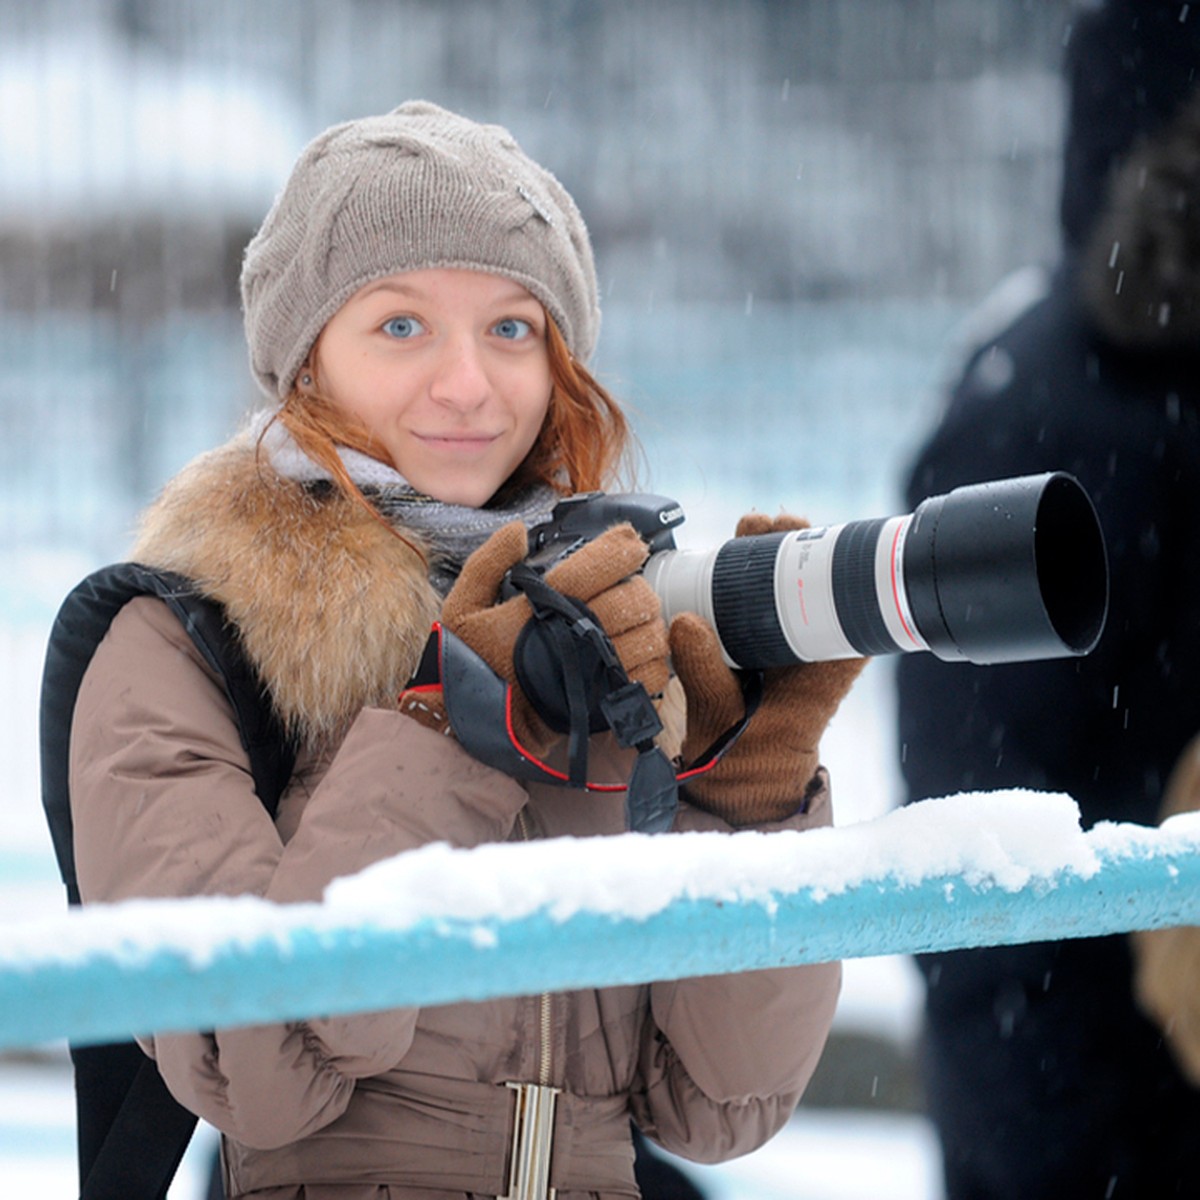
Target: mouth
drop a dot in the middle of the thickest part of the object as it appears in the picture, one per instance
(457, 441)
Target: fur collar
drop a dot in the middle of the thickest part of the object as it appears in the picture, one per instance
(332, 608)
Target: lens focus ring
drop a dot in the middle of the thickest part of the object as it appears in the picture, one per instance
(855, 596)
(743, 600)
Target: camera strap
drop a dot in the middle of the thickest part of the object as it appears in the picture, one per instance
(752, 693)
(478, 704)
(570, 672)
(566, 665)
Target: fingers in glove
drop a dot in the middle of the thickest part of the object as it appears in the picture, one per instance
(478, 584)
(755, 524)
(714, 695)
(643, 654)
(821, 687)
(492, 633)
(615, 555)
(626, 605)
(815, 688)
(631, 615)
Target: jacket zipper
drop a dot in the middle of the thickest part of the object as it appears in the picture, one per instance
(533, 1124)
(545, 1001)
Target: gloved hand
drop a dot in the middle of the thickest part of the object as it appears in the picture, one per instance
(602, 574)
(771, 770)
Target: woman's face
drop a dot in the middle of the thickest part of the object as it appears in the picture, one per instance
(450, 373)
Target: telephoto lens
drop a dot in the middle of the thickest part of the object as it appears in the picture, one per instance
(1012, 570)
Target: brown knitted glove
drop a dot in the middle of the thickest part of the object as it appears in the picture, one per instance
(770, 772)
(602, 574)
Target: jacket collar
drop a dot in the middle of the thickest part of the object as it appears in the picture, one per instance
(333, 609)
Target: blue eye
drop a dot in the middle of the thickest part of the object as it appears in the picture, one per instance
(403, 327)
(512, 329)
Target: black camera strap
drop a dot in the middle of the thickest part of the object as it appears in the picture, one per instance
(752, 693)
(567, 667)
(549, 659)
(479, 706)
(571, 674)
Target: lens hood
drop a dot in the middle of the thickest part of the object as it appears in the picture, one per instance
(1008, 571)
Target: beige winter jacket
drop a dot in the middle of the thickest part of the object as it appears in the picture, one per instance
(407, 1103)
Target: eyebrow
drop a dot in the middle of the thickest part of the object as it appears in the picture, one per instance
(387, 285)
(517, 293)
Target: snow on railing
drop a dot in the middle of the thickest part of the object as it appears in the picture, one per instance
(439, 925)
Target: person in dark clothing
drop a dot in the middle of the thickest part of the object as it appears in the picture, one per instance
(1043, 1077)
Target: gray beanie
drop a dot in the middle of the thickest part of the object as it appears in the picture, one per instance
(420, 187)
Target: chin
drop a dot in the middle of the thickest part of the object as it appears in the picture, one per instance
(467, 496)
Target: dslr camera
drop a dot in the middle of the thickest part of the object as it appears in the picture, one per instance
(1013, 570)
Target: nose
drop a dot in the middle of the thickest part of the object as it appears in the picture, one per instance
(460, 378)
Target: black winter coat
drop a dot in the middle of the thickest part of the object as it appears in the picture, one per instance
(1047, 394)
(1043, 1078)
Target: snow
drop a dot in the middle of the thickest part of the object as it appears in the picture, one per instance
(1009, 839)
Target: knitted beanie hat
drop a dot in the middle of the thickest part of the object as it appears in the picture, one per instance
(420, 187)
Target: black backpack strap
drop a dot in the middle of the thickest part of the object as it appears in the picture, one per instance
(81, 624)
(132, 1133)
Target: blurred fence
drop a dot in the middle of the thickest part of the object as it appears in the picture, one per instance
(438, 926)
(739, 156)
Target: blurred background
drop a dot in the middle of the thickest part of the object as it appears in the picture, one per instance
(796, 206)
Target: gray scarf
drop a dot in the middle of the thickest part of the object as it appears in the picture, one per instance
(452, 531)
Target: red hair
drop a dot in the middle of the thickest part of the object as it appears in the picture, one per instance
(585, 442)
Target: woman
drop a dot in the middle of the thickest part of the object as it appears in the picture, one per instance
(419, 304)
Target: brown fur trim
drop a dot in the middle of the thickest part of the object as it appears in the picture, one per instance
(333, 609)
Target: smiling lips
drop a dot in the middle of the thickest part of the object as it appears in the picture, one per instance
(466, 442)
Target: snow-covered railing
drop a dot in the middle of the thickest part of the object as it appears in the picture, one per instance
(441, 925)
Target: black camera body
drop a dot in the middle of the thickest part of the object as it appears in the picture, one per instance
(579, 519)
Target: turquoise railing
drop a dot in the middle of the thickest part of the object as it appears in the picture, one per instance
(441, 925)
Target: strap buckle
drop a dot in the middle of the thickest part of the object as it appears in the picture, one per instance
(532, 1143)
